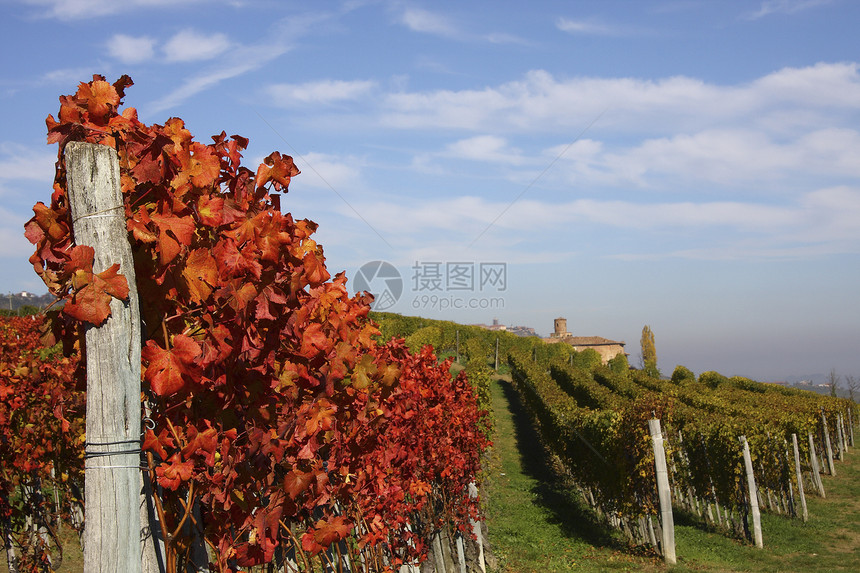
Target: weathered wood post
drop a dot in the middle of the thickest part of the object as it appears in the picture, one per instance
(752, 492)
(828, 447)
(840, 432)
(461, 553)
(438, 552)
(667, 521)
(476, 530)
(112, 458)
(816, 470)
(799, 477)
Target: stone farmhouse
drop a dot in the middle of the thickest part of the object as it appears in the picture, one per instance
(608, 349)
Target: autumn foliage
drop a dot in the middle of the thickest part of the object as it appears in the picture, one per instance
(41, 440)
(273, 410)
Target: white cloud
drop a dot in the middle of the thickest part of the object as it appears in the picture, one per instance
(241, 61)
(426, 22)
(833, 213)
(541, 102)
(489, 148)
(131, 49)
(777, 129)
(82, 9)
(783, 129)
(819, 222)
(319, 92)
(191, 46)
(589, 27)
(13, 244)
(419, 20)
(736, 155)
(503, 38)
(784, 7)
(18, 162)
(67, 76)
(821, 85)
(325, 171)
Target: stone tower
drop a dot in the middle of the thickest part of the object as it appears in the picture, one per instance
(560, 328)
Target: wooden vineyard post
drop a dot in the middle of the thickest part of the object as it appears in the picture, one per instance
(840, 430)
(438, 552)
(461, 553)
(752, 494)
(828, 448)
(799, 477)
(816, 471)
(112, 454)
(476, 530)
(664, 493)
(850, 428)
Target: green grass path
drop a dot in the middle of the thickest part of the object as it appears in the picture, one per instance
(536, 523)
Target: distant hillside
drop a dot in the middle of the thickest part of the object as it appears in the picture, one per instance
(14, 301)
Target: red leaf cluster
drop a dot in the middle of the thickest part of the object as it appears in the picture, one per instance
(274, 409)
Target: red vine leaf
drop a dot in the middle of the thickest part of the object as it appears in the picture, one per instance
(92, 292)
(168, 370)
(101, 99)
(174, 472)
(200, 274)
(278, 169)
(297, 481)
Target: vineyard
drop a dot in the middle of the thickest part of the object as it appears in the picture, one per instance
(733, 447)
(285, 427)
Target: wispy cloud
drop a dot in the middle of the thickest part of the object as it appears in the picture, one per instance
(18, 162)
(770, 7)
(242, 61)
(319, 92)
(587, 27)
(131, 49)
(13, 244)
(187, 45)
(190, 45)
(419, 20)
(728, 157)
(487, 148)
(504, 38)
(823, 220)
(84, 9)
(541, 102)
(326, 171)
(434, 23)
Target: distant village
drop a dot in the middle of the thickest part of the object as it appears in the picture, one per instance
(14, 301)
(608, 349)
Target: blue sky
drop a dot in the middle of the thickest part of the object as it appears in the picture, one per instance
(690, 165)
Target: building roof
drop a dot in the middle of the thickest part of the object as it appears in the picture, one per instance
(590, 341)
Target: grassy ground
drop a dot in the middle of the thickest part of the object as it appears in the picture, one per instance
(536, 523)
